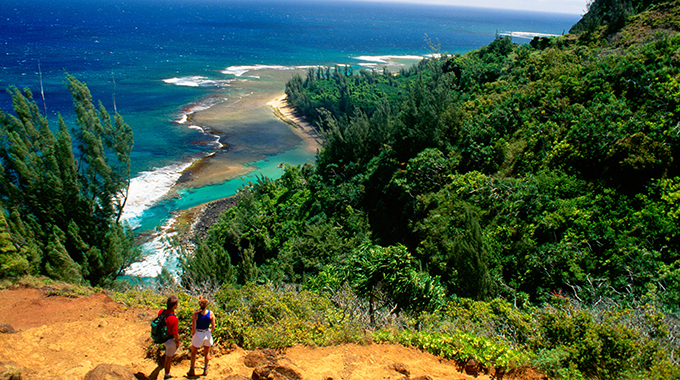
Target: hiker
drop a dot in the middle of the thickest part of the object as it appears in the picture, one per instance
(171, 321)
(202, 325)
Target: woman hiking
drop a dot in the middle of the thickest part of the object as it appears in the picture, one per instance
(202, 325)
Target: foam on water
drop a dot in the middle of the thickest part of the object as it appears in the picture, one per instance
(197, 81)
(306, 67)
(159, 254)
(197, 107)
(527, 35)
(183, 118)
(240, 70)
(202, 106)
(148, 188)
(216, 138)
(387, 59)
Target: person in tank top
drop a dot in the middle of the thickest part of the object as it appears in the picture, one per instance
(202, 325)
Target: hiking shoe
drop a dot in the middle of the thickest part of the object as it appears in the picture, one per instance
(205, 370)
(191, 372)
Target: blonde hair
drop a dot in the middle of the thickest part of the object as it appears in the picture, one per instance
(202, 302)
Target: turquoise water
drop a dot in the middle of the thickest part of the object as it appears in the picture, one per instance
(158, 61)
(125, 49)
(268, 168)
(187, 198)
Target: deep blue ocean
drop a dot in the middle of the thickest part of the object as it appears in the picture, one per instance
(154, 59)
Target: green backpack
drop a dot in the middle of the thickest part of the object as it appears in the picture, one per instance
(159, 330)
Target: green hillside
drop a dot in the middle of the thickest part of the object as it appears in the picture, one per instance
(513, 170)
(518, 205)
(540, 174)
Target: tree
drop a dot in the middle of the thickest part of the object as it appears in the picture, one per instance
(206, 265)
(12, 263)
(65, 193)
(390, 275)
(455, 247)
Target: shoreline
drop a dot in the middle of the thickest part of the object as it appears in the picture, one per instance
(303, 128)
(193, 223)
(255, 106)
(248, 128)
(210, 170)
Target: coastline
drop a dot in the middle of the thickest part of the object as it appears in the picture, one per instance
(306, 130)
(193, 224)
(253, 129)
(245, 128)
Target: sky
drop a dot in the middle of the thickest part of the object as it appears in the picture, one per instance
(557, 6)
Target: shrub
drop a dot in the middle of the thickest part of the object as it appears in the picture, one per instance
(459, 346)
(264, 316)
(599, 342)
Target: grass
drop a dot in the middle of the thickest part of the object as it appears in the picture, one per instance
(49, 287)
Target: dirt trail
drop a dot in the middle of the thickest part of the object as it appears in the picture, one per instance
(64, 338)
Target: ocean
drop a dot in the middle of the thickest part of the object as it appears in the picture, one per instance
(159, 63)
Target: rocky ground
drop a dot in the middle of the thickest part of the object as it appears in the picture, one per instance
(207, 215)
(45, 335)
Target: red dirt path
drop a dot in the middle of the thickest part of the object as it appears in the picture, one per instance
(64, 338)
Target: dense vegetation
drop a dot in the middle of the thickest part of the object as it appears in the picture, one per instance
(513, 170)
(61, 195)
(542, 174)
(611, 14)
(518, 204)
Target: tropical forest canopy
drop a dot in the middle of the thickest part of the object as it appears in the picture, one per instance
(513, 170)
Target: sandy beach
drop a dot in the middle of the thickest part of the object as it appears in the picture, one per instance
(253, 123)
(264, 106)
(306, 130)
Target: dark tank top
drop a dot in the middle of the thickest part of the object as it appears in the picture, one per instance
(203, 321)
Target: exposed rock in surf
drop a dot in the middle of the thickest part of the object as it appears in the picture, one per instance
(210, 215)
